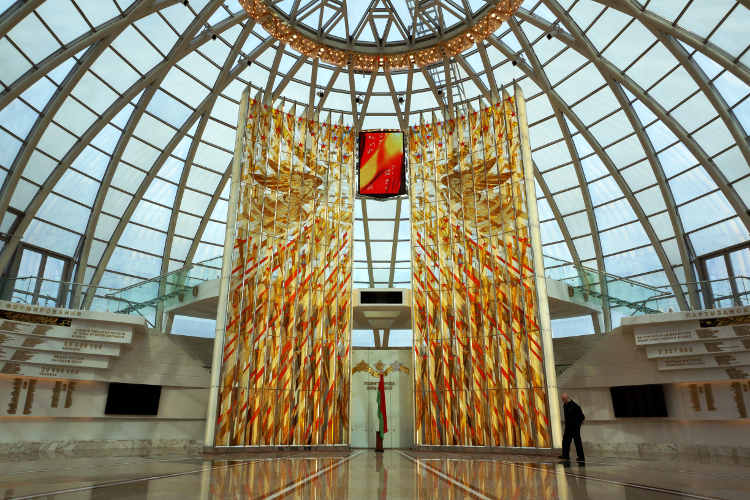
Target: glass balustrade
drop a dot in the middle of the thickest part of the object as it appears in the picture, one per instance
(625, 297)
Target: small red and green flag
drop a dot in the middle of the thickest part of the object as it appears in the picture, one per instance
(382, 417)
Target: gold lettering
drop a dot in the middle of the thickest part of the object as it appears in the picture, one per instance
(56, 394)
(69, 395)
(14, 396)
(739, 399)
(29, 397)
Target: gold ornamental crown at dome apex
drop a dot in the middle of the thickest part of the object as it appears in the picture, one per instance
(370, 56)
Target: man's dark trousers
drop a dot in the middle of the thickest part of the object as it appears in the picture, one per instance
(572, 432)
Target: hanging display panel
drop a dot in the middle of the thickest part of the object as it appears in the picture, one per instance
(382, 163)
(285, 359)
(479, 362)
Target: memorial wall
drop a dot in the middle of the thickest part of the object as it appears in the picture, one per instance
(286, 342)
(698, 359)
(479, 372)
(284, 325)
(56, 366)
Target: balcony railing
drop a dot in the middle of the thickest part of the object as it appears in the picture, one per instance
(628, 297)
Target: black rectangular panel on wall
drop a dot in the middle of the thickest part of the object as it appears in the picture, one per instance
(132, 399)
(380, 297)
(638, 401)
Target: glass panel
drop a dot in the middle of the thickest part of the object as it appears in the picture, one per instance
(50, 288)
(400, 338)
(30, 261)
(741, 262)
(572, 327)
(194, 327)
(363, 338)
(717, 274)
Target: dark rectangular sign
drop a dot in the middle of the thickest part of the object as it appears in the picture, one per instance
(380, 297)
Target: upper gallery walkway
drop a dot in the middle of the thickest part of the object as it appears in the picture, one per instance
(573, 290)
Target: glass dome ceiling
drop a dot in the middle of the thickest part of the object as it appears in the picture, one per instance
(389, 21)
(117, 129)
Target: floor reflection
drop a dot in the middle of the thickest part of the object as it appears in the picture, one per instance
(382, 472)
(364, 474)
(491, 478)
(287, 478)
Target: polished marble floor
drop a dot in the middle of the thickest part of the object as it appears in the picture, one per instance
(364, 474)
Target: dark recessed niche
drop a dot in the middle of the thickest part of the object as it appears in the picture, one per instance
(132, 399)
(631, 401)
(380, 297)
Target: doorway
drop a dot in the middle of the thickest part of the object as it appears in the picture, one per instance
(396, 363)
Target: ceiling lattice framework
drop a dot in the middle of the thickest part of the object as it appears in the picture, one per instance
(368, 36)
(117, 127)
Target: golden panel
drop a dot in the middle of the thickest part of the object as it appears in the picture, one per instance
(479, 374)
(285, 364)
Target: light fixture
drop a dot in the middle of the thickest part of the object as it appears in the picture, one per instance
(363, 57)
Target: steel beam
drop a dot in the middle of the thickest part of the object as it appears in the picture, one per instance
(16, 13)
(327, 90)
(117, 24)
(394, 248)
(153, 75)
(313, 85)
(494, 96)
(449, 88)
(433, 87)
(368, 251)
(353, 99)
(403, 121)
(545, 85)
(213, 95)
(558, 216)
(45, 117)
(288, 78)
(122, 142)
(267, 93)
(207, 215)
(559, 103)
(407, 104)
(710, 50)
(461, 60)
(363, 113)
(590, 51)
(146, 182)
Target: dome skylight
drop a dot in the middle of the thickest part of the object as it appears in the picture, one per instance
(381, 33)
(117, 130)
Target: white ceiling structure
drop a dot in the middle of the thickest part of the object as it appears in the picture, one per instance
(117, 125)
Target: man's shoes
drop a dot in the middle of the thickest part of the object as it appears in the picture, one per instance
(564, 458)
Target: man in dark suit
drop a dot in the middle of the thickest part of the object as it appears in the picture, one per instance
(573, 419)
